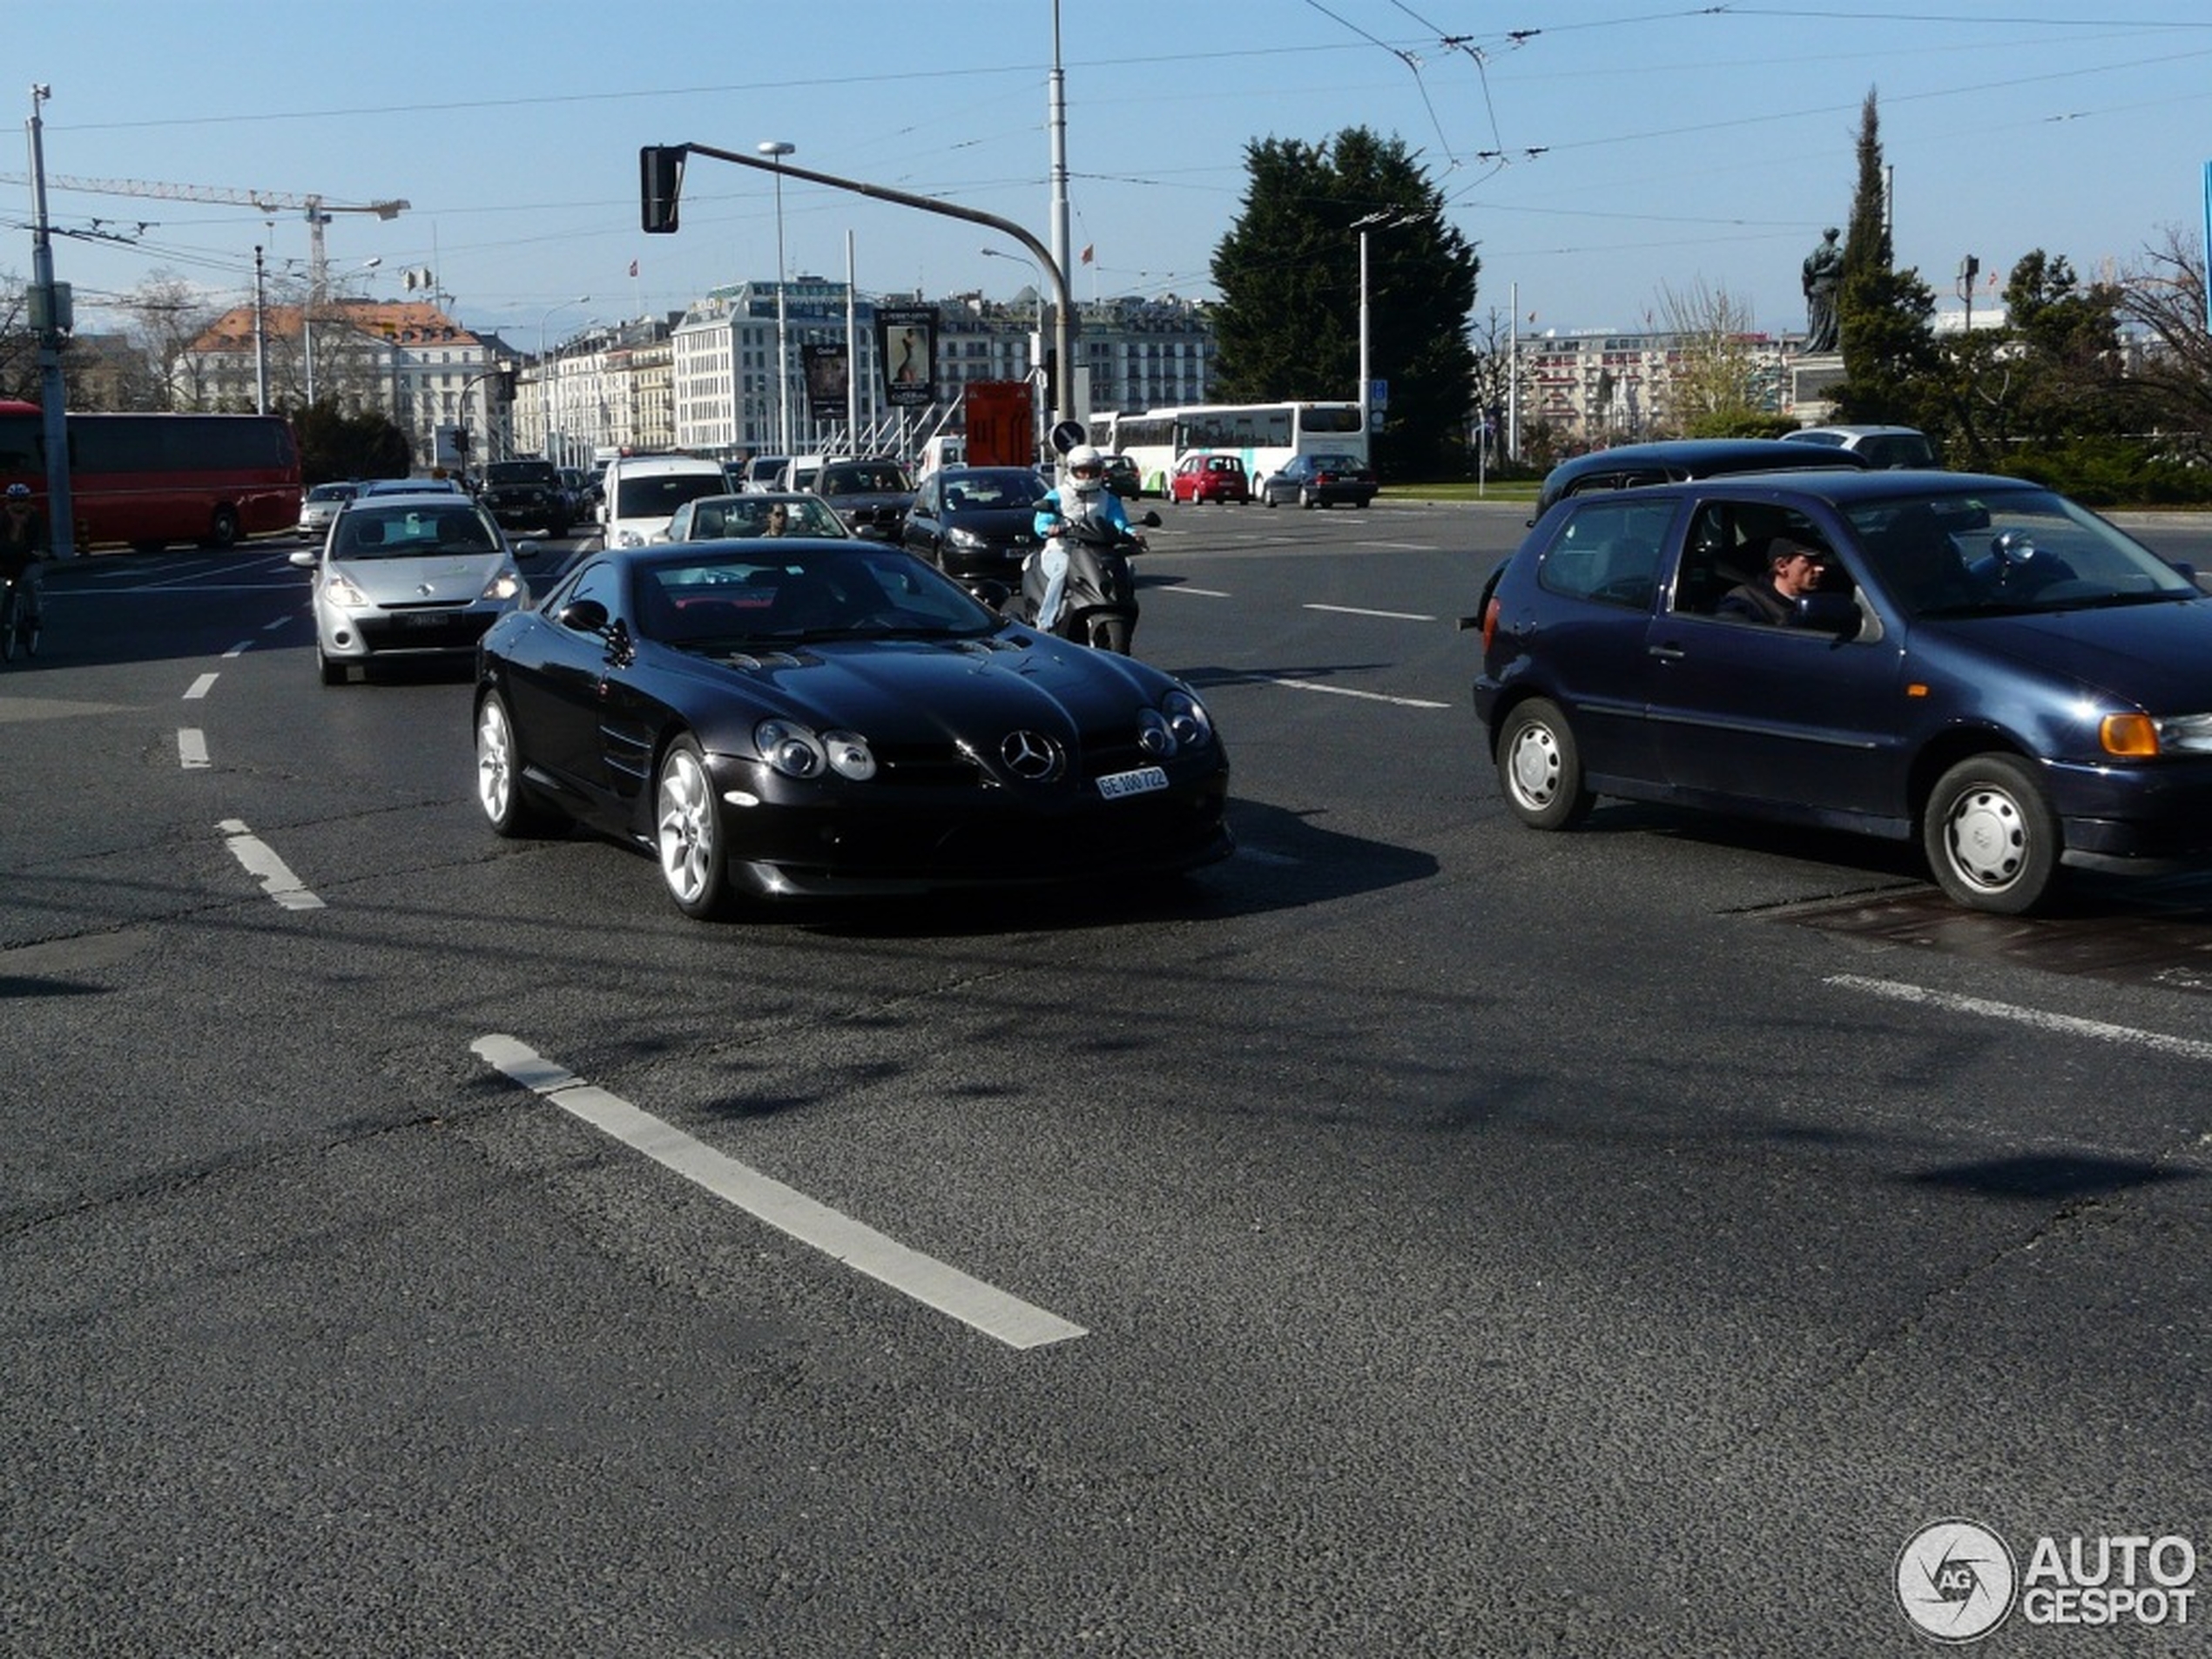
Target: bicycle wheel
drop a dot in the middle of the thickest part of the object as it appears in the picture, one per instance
(8, 629)
(32, 625)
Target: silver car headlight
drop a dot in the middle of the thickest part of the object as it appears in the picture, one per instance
(340, 590)
(505, 585)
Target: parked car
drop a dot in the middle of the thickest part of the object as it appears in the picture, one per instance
(1215, 478)
(977, 522)
(1626, 466)
(706, 518)
(873, 497)
(1320, 481)
(1878, 446)
(817, 719)
(321, 505)
(1123, 478)
(1985, 667)
(643, 492)
(408, 576)
(528, 494)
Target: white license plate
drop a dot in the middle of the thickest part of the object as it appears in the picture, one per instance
(1142, 781)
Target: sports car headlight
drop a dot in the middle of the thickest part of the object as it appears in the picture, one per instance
(849, 755)
(505, 585)
(1187, 719)
(792, 750)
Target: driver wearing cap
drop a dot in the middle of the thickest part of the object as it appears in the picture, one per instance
(1794, 568)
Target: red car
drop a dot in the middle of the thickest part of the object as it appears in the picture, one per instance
(1219, 478)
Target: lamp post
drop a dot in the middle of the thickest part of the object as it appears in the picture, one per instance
(1036, 356)
(544, 374)
(1371, 221)
(776, 149)
(307, 321)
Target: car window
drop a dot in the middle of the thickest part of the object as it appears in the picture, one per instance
(1726, 548)
(1609, 552)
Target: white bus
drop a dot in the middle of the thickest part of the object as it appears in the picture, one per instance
(1262, 436)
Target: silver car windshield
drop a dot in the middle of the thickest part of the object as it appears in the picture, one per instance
(412, 533)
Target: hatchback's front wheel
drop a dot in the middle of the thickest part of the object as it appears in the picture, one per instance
(1990, 837)
(1539, 767)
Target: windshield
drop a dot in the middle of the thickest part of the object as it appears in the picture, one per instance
(1956, 555)
(864, 480)
(758, 514)
(658, 494)
(413, 532)
(521, 472)
(719, 600)
(999, 488)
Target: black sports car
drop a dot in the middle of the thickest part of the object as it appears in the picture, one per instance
(805, 717)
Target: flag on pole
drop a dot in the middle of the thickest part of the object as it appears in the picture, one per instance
(1087, 249)
(633, 267)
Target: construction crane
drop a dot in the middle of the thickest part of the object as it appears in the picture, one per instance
(317, 209)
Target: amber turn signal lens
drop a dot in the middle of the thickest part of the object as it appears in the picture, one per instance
(2135, 736)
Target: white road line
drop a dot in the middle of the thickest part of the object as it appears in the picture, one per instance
(2064, 1024)
(191, 748)
(276, 881)
(200, 687)
(271, 627)
(1355, 610)
(1345, 691)
(1194, 593)
(991, 1311)
(240, 648)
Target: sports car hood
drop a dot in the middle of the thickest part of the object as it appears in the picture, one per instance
(923, 690)
(2156, 656)
(441, 579)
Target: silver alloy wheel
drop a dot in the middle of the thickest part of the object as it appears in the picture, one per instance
(494, 761)
(686, 828)
(1533, 766)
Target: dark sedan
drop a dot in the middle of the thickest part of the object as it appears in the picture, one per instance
(1628, 466)
(873, 497)
(778, 718)
(1320, 481)
(1977, 663)
(977, 522)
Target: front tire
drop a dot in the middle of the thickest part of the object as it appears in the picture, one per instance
(222, 530)
(687, 833)
(1111, 633)
(1990, 837)
(499, 790)
(1539, 767)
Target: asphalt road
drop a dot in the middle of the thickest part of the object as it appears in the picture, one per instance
(1417, 1236)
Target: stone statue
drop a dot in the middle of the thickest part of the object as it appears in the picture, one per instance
(1823, 274)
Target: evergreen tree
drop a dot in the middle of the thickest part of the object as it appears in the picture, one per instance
(1288, 273)
(1890, 358)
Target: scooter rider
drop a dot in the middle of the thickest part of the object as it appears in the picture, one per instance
(1081, 497)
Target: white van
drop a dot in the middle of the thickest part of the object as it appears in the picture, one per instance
(641, 494)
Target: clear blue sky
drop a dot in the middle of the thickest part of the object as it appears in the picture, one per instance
(1601, 151)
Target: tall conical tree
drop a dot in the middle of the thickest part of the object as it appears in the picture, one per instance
(1883, 315)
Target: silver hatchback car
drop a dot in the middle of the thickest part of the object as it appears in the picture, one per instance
(409, 577)
(321, 505)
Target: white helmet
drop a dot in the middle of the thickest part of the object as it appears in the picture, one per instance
(1086, 469)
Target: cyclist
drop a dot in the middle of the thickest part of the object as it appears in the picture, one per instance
(23, 543)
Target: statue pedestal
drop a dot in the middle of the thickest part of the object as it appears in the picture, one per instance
(1811, 377)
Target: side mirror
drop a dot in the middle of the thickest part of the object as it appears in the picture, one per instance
(584, 616)
(306, 558)
(1150, 521)
(529, 550)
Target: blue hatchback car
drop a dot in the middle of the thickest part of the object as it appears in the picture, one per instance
(1975, 662)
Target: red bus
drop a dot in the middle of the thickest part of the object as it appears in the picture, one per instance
(146, 479)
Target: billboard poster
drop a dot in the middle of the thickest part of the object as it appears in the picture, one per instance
(906, 341)
(828, 370)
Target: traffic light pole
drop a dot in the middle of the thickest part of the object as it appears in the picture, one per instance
(661, 178)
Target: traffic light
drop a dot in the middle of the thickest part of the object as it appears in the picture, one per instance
(660, 180)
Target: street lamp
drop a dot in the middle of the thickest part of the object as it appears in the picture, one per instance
(776, 149)
(1037, 352)
(1371, 221)
(307, 320)
(544, 375)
